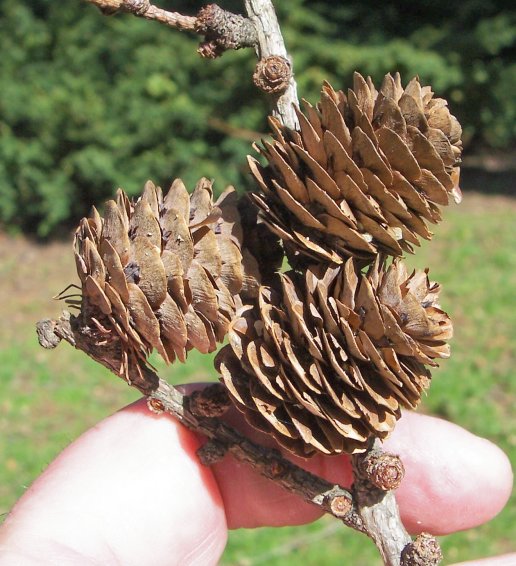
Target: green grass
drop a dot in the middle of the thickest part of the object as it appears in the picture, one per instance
(48, 398)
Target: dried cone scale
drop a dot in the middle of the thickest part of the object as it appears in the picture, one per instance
(330, 357)
(164, 272)
(364, 174)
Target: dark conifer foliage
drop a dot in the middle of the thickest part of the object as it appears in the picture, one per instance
(91, 103)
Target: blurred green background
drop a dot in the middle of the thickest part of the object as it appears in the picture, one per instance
(89, 103)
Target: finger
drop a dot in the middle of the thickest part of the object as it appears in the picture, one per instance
(133, 451)
(454, 480)
(129, 491)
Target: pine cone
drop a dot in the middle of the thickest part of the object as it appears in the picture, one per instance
(364, 174)
(259, 242)
(164, 272)
(329, 358)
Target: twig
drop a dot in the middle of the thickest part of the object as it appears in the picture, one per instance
(270, 47)
(331, 498)
(367, 508)
(379, 510)
(223, 30)
(268, 462)
(144, 9)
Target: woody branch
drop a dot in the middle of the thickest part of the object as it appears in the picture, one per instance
(367, 508)
(223, 30)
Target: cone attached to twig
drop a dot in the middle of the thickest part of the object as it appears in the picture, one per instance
(329, 358)
(164, 272)
(364, 174)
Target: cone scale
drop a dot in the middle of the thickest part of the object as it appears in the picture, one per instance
(329, 358)
(165, 272)
(365, 174)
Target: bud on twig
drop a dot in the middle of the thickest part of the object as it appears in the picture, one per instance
(382, 469)
(155, 406)
(223, 30)
(424, 551)
(212, 452)
(341, 505)
(272, 74)
(210, 402)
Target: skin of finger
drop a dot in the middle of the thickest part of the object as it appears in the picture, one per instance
(259, 501)
(129, 491)
(453, 481)
(66, 498)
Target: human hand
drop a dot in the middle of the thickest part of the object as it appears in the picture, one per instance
(131, 491)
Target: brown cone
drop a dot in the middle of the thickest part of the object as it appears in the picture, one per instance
(259, 241)
(328, 359)
(164, 272)
(365, 173)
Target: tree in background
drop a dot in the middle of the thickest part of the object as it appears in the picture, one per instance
(88, 103)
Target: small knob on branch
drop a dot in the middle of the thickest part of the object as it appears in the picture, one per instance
(136, 7)
(155, 405)
(272, 74)
(212, 452)
(341, 505)
(213, 401)
(424, 551)
(383, 470)
(223, 30)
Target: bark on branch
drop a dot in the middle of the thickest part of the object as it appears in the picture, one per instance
(271, 48)
(223, 30)
(144, 9)
(270, 463)
(365, 508)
